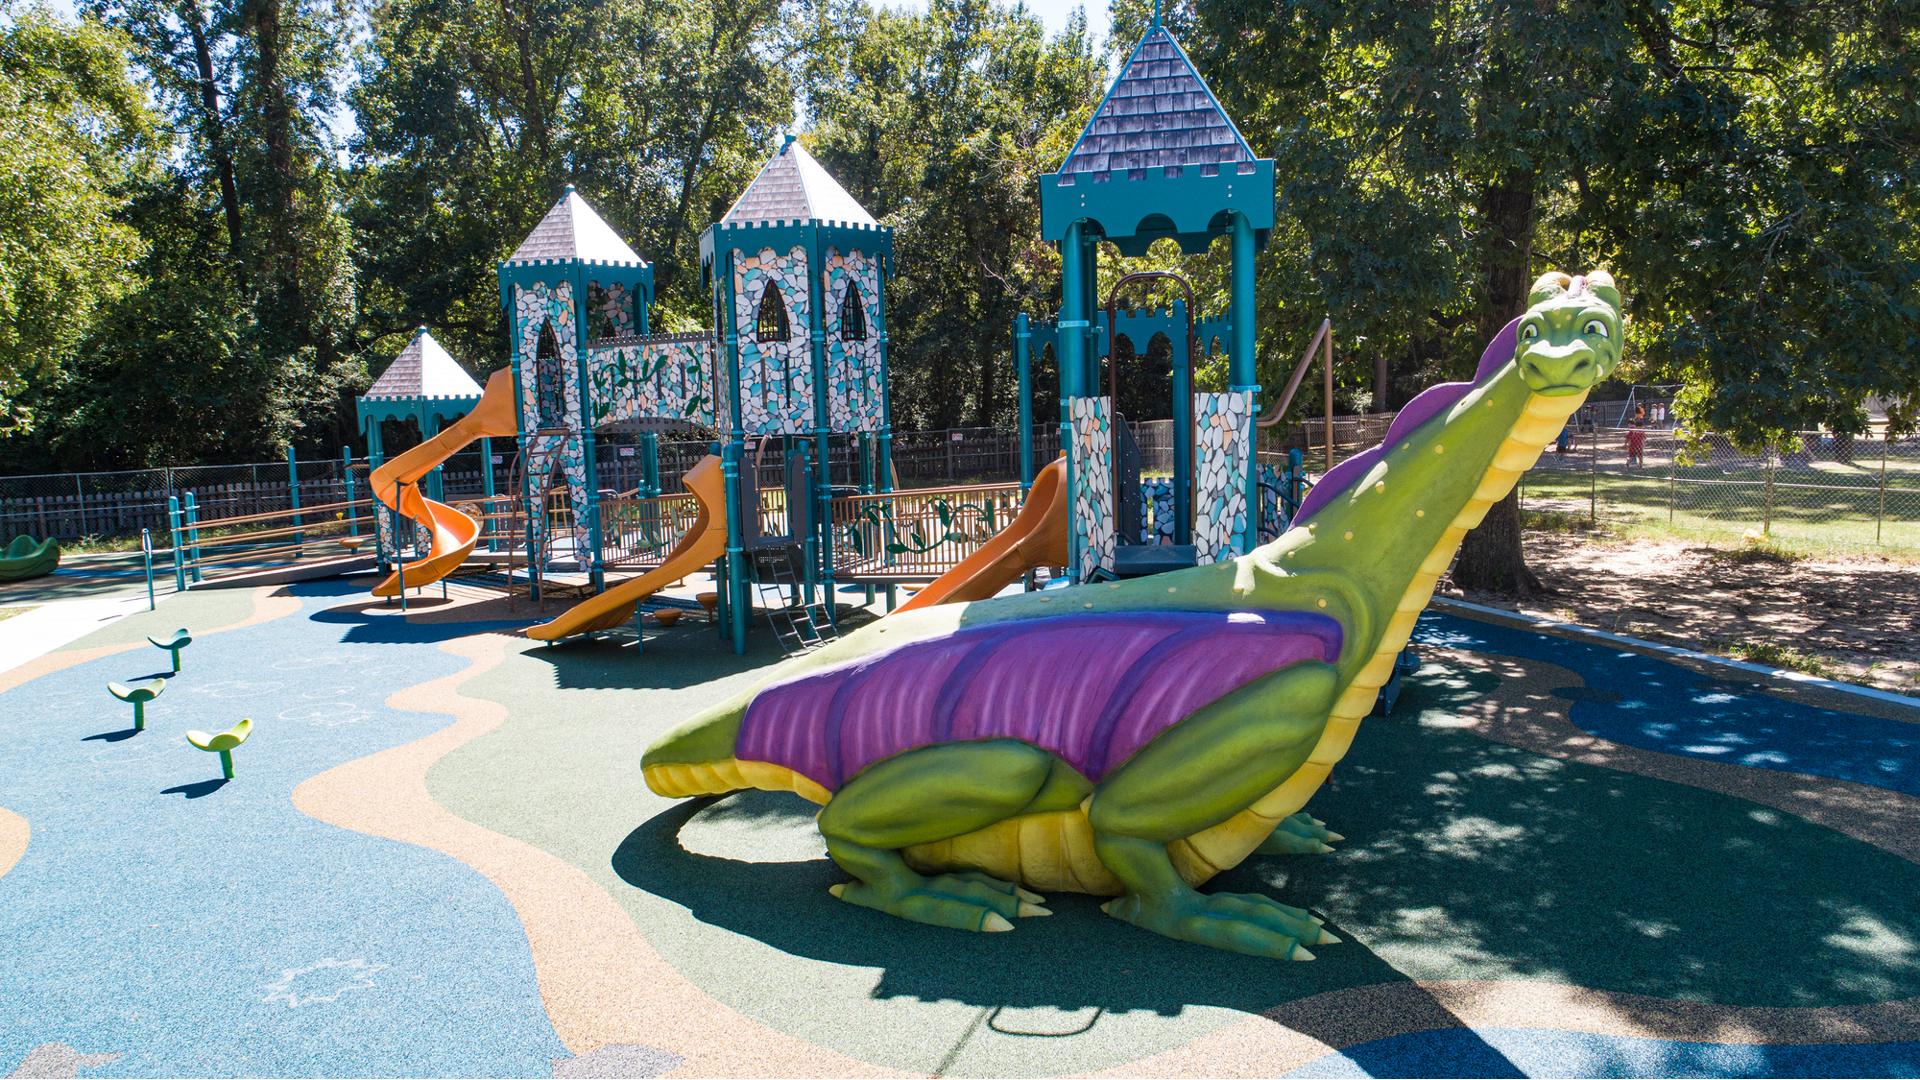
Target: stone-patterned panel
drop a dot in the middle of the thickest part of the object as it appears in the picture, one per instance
(1092, 471)
(775, 379)
(662, 377)
(610, 310)
(1223, 429)
(568, 454)
(856, 400)
(533, 307)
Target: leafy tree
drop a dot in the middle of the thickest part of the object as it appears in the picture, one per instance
(941, 123)
(1745, 168)
(74, 131)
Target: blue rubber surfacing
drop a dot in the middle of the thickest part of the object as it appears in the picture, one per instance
(195, 928)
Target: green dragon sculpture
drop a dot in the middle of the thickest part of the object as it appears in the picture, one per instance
(1134, 738)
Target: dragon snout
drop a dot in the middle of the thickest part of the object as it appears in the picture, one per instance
(1556, 370)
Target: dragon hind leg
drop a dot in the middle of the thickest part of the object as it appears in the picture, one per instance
(923, 796)
(1300, 834)
(1195, 774)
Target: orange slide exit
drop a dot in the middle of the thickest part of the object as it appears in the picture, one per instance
(454, 533)
(705, 541)
(1037, 537)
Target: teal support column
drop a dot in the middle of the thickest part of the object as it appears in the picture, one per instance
(436, 482)
(650, 466)
(293, 495)
(1073, 358)
(486, 488)
(1023, 374)
(733, 589)
(1097, 346)
(348, 489)
(582, 424)
(883, 468)
(1240, 365)
(1182, 434)
(820, 528)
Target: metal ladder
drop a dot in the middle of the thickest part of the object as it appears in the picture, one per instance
(799, 626)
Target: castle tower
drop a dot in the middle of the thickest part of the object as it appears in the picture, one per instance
(798, 270)
(571, 282)
(1160, 159)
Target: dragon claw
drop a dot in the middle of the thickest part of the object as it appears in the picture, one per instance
(959, 901)
(1029, 910)
(1239, 922)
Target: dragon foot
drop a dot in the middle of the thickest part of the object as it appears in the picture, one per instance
(1240, 922)
(1300, 834)
(966, 901)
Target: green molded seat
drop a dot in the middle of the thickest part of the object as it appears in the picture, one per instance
(27, 558)
(222, 743)
(173, 643)
(139, 696)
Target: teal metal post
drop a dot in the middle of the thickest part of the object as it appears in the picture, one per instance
(193, 534)
(486, 487)
(650, 466)
(399, 549)
(1182, 434)
(179, 559)
(293, 495)
(734, 587)
(436, 487)
(146, 553)
(346, 476)
(1241, 368)
(1073, 361)
(589, 452)
(1023, 371)
(1296, 467)
(883, 468)
(820, 546)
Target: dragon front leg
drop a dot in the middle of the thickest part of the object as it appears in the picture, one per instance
(1197, 773)
(926, 795)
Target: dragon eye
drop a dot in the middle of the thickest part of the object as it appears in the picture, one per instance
(1529, 332)
(1595, 326)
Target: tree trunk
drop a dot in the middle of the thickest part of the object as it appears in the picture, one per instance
(276, 116)
(1491, 558)
(216, 132)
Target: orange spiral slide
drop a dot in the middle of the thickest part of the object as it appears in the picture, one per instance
(1036, 537)
(454, 533)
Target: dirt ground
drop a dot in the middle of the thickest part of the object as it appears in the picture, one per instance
(1843, 616)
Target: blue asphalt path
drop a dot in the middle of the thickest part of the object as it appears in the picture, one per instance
(1640, 700)
(195, 928)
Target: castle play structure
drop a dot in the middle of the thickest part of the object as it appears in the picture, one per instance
(793, 379)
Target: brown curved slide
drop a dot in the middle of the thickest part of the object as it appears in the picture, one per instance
(1037, 537)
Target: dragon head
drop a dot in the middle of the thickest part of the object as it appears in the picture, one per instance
(1570, 335)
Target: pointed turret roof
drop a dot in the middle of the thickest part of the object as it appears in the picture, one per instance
(571, 230)
(1158, 112)
(793, 187)
(423, 370)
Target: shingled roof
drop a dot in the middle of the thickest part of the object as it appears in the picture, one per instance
(423, 370)
(792, 186)
(1158, 112)
(571, 230)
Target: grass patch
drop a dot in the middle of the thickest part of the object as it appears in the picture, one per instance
(1563, 521)
(1757, 552)
(10, 612)
(1775, 654)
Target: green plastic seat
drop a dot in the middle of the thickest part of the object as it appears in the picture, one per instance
(173, 643)
(27, 558)
(139, 696)
(222, 743)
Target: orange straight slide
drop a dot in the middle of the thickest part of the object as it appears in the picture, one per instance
(1036, 537)
(454, 533)
(705, 541)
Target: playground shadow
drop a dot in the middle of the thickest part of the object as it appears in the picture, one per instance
(1466, 859)
(112, 736)
(197, 790)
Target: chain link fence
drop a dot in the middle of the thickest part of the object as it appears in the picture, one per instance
(1816, 490)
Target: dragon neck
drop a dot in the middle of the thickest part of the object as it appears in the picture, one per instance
(1386, 539)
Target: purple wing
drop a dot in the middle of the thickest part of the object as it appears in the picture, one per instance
(1091, 689)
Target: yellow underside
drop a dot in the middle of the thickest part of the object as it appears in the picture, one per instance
(1053, 851)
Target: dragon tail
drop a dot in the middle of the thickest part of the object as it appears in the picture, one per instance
(697, 758)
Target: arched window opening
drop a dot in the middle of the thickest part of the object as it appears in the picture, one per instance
(853, 314)
(551, 394)
(771, 324)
